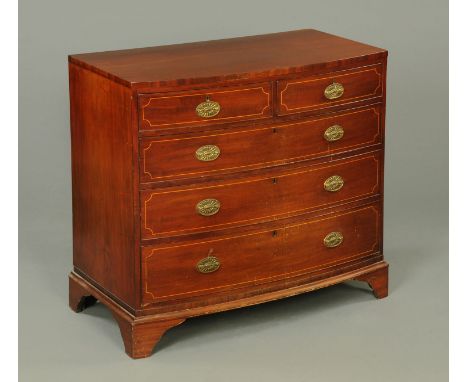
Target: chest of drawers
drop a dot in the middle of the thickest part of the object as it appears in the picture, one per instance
(216, 175)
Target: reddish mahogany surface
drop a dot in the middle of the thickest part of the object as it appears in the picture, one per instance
(262, 147)
(237, 103)
(257, 258)
(308, 93)
(136, 234)
(256, 199)
(230, 59)
(102, 171)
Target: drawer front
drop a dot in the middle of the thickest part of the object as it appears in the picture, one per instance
(318, 92)
(256, 199)
(205, 106)
(256, 258)
(189, 157)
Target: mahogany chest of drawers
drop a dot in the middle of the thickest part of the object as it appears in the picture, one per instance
(215, 175)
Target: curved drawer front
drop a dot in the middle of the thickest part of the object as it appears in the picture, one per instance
(256, 258)
(205, 106)
(259, 198)
(240, 150)
(318, 92)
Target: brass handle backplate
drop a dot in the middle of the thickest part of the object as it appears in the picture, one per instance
(333, 239)
(208, 109)
(208, 207)
(333, 133)
(208, 264)
(334, 91)
(207, 153)
(333, 183)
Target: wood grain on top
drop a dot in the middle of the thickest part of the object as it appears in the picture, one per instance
(229, 59)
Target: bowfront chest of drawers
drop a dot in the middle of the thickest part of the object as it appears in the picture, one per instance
(216, 175)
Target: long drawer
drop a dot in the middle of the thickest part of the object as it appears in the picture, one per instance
(254, 148)
(257, 198)
(213, 265)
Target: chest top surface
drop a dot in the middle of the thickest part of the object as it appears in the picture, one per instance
(242, 58)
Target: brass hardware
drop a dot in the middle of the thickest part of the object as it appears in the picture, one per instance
(333, 239)
(208, 109)
(333, 183)
(333, 133)
(208, 264)
(334, 91)
(207, 153)
(208, 207)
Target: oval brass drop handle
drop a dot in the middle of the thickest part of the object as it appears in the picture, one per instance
(333, 133)
(208, 207)
(207, 153)
(333, 183)
(334, 91)
(333, 239)
(208, 264)
(208, 108)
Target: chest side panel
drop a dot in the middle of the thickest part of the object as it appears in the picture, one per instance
(102, 179)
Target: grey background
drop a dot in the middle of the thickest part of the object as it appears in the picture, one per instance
(340, 333)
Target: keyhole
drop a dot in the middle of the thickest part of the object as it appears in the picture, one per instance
(274, 233)
(274, 130)
(274, 180)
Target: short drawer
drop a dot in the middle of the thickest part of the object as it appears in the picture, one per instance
(267, 146)
(257, 198)
(205, 106)
(324, 91)
(214, 265)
